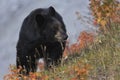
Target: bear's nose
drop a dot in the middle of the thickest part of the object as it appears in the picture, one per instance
(65, 36)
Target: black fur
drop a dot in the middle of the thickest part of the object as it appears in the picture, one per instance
(41, 35)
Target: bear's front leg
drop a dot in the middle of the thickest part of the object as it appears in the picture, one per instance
(26, 61)
(26, 57)
(55, 53)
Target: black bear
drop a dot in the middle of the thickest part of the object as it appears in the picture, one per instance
(42, 35)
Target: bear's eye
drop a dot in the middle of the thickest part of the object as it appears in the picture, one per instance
(55, 29)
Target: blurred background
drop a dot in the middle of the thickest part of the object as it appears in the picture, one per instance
(13, 12)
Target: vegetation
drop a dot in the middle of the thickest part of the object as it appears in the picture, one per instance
(92, 57)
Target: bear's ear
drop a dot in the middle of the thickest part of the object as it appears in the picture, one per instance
(51, 10)
(40, 20)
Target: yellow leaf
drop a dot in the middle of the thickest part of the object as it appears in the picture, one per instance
(103, 22)
(98, 20)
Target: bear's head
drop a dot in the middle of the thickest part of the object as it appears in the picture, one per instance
(50, 25)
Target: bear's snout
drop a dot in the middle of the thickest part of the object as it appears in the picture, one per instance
(61, 36)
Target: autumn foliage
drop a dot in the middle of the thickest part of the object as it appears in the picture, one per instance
(14, 75)
(105, 12)
(83, 40)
